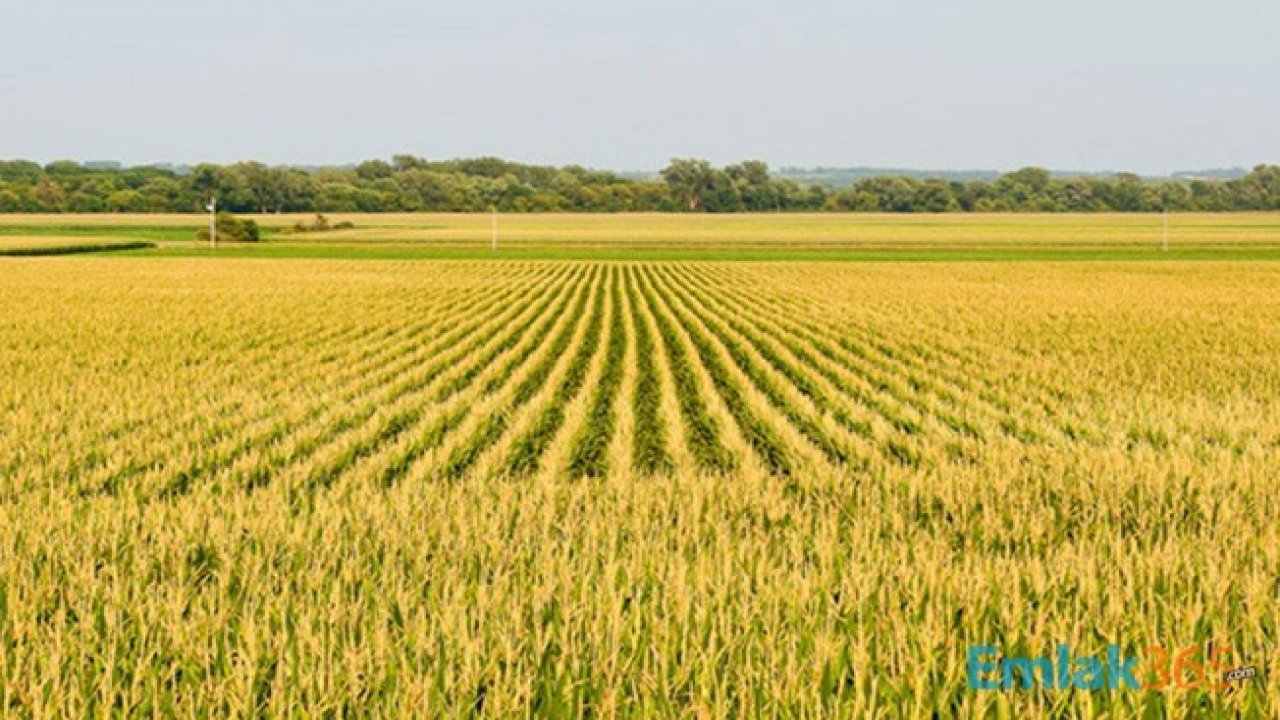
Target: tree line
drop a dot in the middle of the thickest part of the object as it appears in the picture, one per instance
(409, 184)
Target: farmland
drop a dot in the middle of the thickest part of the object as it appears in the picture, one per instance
(656, 236)
(702, 488)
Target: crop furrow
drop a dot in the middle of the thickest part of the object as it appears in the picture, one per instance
(495, 424)
(877, 382)
(762, 438)
(512, 322)
(702, 432)
(527, 450)
(902, 426)
(932, 389)
(435, 434)
(804, 383)
(95, 459)
(920, 380)
(228, 423)
(649, 444)
(587, 458)
(390, 382)
(364, 384)
(804, 422)
(228, 420)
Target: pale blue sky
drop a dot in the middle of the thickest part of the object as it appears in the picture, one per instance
(1145, 85)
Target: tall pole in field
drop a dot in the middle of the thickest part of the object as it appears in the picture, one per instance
(213, 222)
(494, 209)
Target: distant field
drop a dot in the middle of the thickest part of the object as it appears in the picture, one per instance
(231, 487)
(818, 236)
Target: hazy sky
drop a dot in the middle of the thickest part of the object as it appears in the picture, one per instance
(1150, 86)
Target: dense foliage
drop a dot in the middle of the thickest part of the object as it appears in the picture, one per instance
(233, 229)
(412, 184)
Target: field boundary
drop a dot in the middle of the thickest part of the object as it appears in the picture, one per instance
(75, 249)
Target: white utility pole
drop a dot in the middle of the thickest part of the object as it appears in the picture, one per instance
(213, 222)
(1164, 245)
(495, 228)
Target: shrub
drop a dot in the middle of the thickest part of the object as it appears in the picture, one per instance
(232, 229)
(320, 224)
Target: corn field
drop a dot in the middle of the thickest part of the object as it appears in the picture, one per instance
(558, 489)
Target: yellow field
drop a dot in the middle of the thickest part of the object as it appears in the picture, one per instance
(237, 487)
(816, 229)
(805, 229)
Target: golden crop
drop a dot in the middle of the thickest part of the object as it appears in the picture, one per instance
(730, 230)
(241, 487)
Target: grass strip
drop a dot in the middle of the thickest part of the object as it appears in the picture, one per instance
(588, 456)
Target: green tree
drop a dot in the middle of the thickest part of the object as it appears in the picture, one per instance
(690, 181)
